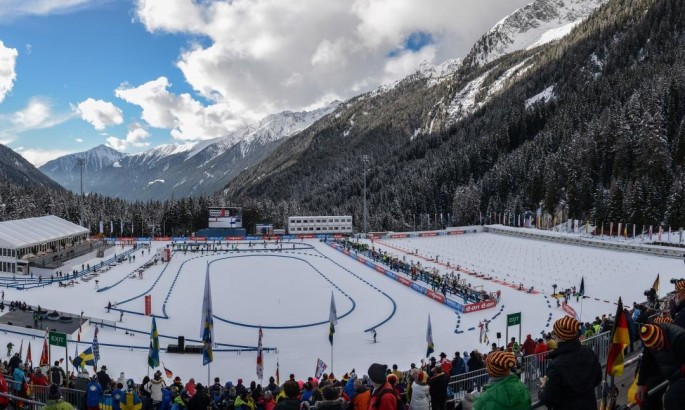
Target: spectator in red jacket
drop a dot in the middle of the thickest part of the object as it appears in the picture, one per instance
(39, 379)
(528, 346)
(383, 396)
(4, 401)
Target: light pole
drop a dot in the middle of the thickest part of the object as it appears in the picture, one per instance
(81, 162)
(365, 160)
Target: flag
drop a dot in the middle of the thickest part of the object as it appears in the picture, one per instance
(581, 291)
(86, 358)
(96, 346)
(655, 286)
(153, 352)
(619, 340)
(570, 311)
(21, 348)
(333, 319)
(207, 330)
(260, 364)
(168, 373)
(429, 338)
(29, 359)
(44, 361)
(320, 368)
(131, 402)
(278, 374)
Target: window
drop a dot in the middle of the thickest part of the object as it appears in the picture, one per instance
(318, 229)
(299, 221)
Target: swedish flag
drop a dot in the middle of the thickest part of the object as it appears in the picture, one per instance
(86, 358)
(153, 352)
(429, 338)
(207, 331)
(131, 402)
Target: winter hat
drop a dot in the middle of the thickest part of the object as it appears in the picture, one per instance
(499, 364)
(566, 328)
(291, 389)
(53, 393)
(661, 320)
(330, 393)
(392, 379)
(652, 335)
(377, 373)
(680, 287)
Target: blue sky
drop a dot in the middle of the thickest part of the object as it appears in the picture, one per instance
(134, 74)
(67, 58)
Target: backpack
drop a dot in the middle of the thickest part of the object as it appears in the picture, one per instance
(398, 402)
(56, 375)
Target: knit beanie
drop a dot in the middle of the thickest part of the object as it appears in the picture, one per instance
(291, 389)
(662, 319)
(652, 335)
(499, 364)
(680, 286)
(53, 392)
(566, 328)
(377, 373)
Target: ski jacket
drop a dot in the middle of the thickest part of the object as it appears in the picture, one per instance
(420, 397)
(572, 375)
(93, 394)
(507, 393)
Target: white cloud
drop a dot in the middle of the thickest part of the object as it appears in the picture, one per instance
(135, 137)
(78, 139)
(271, 55)
(8, 60)
(187, 118)
(39, 157)
(37, 114)
(15, 8)
(99, 113)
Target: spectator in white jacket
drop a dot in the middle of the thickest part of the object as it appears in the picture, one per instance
(420, 396)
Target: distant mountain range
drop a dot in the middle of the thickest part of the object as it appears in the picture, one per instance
(180, 169)
(17, 170)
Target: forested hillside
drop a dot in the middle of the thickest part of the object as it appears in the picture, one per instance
(594, 121)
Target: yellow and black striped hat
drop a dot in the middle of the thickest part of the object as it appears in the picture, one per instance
(652, 335)
(499, 364)
(566, 328)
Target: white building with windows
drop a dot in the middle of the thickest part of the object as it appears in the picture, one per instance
(24, 238)
(319, 225)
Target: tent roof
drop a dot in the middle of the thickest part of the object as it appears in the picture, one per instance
(21, 233)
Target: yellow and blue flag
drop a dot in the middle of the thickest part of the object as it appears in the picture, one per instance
(153, 352)
(86, 358)
(429, 338)
(207, 330)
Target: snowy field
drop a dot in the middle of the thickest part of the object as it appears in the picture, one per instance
(288, 294)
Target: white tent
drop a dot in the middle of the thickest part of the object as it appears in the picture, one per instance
(39, 232)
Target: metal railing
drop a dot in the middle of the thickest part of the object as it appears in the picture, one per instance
(532, 368)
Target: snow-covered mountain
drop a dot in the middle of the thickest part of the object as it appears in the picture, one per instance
(181, 169)
(537, 23)
(66, 171)
(15, 169)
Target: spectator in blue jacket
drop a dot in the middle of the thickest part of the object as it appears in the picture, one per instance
(93, 394)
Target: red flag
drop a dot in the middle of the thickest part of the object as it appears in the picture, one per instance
(260, 363)
(28, 355)
(620, 338)
(44, 361)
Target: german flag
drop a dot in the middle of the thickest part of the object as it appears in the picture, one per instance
(620, 338)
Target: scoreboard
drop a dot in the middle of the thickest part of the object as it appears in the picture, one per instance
(224, 217)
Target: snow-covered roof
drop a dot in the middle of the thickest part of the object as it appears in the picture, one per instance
(21, 233)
